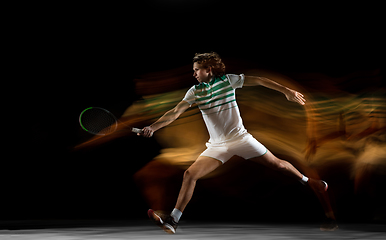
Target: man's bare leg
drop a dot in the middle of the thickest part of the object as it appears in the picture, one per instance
(201, 167)
(288, 169)
(271, 161)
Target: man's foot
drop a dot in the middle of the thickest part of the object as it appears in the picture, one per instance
(329, 225)
(166, 222)
(317, 185)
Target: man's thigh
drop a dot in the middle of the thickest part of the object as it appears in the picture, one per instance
(268, 160)
(203, 166)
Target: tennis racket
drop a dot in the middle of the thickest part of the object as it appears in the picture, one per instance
(99, 121)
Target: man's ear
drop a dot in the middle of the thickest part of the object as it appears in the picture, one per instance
(209, 70)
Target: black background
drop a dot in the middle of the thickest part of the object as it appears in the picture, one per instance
(70, 57)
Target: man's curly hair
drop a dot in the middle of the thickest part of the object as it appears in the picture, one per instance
(212, 60)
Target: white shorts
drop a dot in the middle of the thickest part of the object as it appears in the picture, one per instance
(246, 147)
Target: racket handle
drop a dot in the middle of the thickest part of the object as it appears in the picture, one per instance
(136, 130)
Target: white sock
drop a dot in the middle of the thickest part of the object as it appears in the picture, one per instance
(304, 179)
(176, 214)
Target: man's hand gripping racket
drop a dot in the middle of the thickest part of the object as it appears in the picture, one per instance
(146, 131)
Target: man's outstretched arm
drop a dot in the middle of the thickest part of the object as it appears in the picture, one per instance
(166, 119)
(290, 94)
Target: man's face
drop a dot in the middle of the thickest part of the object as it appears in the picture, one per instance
(201, 74)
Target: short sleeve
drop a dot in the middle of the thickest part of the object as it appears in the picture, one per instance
(237, 81)
(189, 96)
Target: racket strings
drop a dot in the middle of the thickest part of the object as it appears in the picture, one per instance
(98, 121)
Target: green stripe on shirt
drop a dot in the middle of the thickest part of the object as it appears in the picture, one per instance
(213, 89)
(225, 90)
(217, 99)
(234, 100)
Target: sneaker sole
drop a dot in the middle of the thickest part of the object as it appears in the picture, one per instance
(159, 222)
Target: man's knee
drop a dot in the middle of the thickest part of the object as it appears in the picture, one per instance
(282, 165)
(189, 175)
(278, 164)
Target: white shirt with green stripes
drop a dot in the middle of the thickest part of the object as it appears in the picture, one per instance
(217, 103)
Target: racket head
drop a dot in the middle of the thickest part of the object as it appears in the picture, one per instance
(97, 121)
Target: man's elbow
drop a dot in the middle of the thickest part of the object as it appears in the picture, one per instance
(174, 113)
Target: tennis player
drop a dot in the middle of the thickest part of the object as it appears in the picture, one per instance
(216, 99)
